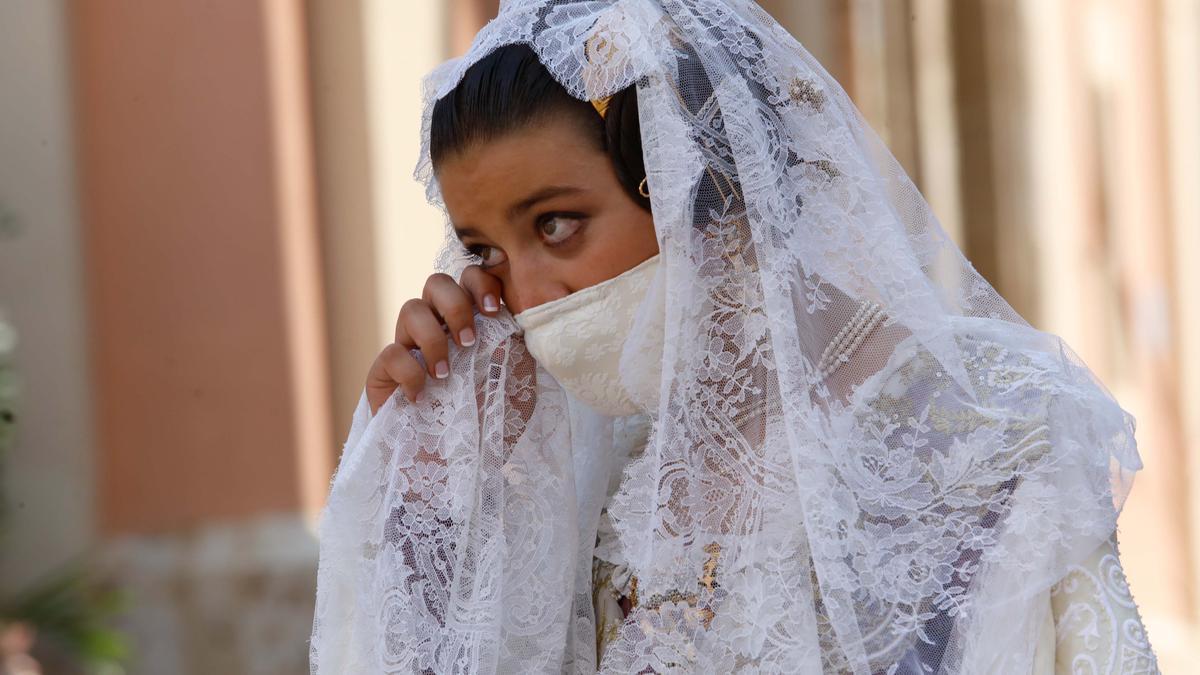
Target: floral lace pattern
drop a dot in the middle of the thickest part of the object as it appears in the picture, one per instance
(1093, 625)
(929, 523)
(429, 505)
(1097, 625)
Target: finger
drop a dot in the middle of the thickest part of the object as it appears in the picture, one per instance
(401, 334)
(426, 331)
(483, 287)
(394, 367)
(453, 304)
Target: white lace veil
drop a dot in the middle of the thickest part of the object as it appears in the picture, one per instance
(862, 459)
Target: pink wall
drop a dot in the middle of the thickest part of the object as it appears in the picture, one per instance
(210, 366)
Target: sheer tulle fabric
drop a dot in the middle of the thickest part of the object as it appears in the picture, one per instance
(862, 459)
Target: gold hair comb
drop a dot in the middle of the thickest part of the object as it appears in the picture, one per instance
(601, 105)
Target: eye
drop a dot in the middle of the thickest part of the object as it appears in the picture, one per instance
(555, 228)
(487, 256)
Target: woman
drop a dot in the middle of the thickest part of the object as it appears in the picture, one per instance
(713, 391)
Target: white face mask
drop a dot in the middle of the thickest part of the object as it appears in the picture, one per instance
(580, 339)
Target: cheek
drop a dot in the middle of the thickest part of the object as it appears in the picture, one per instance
(648, 236)
(634, 236)
(535, 279)
(624, 242)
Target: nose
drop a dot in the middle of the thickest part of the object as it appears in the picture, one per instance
(530, 285)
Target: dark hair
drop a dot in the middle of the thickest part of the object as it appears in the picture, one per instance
(510, 89)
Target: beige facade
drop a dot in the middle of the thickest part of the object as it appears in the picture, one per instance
(216, 226)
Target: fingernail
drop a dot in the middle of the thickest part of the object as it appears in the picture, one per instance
(490, 304)
(420, 397)
(466, 337)
(442, 370)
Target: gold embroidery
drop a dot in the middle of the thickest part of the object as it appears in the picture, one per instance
(608, 614)
(710, 567)
(825, 166)
(804, 91)
(706, 617)
(599, 48)
(707, 582)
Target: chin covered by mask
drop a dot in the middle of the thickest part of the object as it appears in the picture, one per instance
(584, 341)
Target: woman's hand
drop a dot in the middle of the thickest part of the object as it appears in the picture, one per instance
(423, 323)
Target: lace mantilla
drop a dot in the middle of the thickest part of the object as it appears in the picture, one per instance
(899, 502)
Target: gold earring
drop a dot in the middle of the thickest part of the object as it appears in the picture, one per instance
(642, 189)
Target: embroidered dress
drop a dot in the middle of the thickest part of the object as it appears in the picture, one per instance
(1091, 622)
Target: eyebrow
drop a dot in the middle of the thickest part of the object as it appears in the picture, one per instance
(526, 203)
(548, 192)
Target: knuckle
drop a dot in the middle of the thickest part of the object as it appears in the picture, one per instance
(427, 332)
(388, 353)
(433, 283)
(413, 307)
(393, 364)
(405, 367)
(459, 312)
(477, 282)
(472, 274)
(434, 349)
(408, 371)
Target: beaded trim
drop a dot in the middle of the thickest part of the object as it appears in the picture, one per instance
(850, 337)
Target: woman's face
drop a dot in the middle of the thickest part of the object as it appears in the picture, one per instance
(541, 209)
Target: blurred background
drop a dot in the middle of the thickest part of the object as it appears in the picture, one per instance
(208, 225)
